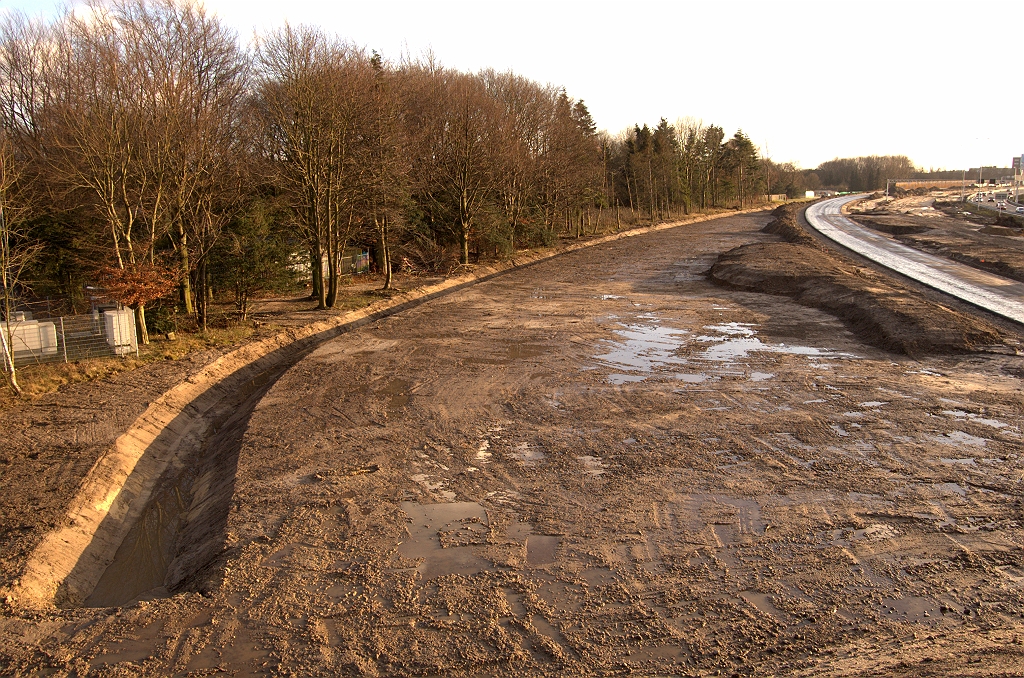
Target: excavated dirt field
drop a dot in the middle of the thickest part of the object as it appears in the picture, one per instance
(603, 464)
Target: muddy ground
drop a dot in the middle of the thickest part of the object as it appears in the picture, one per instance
(936, 224)
(603, 464)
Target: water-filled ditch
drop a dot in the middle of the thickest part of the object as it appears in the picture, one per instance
(180, 533)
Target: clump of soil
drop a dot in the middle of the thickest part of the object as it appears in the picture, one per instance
(785, 224)
(1000, 230)
(878, 310)
(892, 225)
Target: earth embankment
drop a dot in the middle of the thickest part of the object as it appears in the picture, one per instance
(879, 309)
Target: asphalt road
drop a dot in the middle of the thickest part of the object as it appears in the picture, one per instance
(991, 292)
(1010, 205)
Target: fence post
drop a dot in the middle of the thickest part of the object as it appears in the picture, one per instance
(63, 339)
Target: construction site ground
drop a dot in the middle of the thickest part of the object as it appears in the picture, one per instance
(936, 222)
(601, 464)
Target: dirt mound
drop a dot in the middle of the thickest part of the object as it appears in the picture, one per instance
(785, 224)
(920, 190)
(1001, 230)
(881, 312)
(894, 225)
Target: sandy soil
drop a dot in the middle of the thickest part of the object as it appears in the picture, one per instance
(936, 224)
(603, 464)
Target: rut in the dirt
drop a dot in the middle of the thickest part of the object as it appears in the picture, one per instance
(179, 538)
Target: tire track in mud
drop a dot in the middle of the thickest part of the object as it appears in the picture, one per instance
(158, 464)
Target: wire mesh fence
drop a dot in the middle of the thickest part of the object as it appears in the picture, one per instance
(102, 333)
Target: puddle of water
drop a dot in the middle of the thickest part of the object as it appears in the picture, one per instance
(592, 465)
(763, 602)
(960, 414)
(961, 438)
(959, 462)
(606, 297)
(645, 347)
(483, 456)
(734, 349)
(840, 431)
(950, 488)
(761, 376)
(397, 391)
(443, 536)
(185, 501)
(540, 549)
(141, 562)
(620, 379)
(873, 403)
(692, 378)
(740, 329)
(528, 454)
(433, 486)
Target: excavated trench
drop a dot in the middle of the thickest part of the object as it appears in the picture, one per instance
(179, 537)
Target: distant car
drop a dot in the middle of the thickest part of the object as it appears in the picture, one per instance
(1001, 205)
(991, 199)
(1020, 210)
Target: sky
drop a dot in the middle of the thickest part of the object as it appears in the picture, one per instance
(807, 81)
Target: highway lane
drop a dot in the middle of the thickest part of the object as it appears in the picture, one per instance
(991, 292)
(1010, 207)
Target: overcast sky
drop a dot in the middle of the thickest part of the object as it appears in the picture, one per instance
(807, 81)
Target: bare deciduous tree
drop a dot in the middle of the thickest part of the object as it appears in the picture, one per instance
(17, 251)
(313, 92)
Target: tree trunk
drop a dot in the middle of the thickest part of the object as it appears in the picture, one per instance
(315, 275)
(140, 324)
(202, 295)
(12, 373)
(385, 251)
(629, 192)
(318, 278)
(650, 178)
(332, 273)
(464, 227)
(186, 282)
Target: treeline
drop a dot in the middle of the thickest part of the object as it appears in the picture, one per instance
(868, 173)
(681, 167)
(145, 150)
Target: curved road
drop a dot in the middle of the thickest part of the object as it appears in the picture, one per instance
(991, 292)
